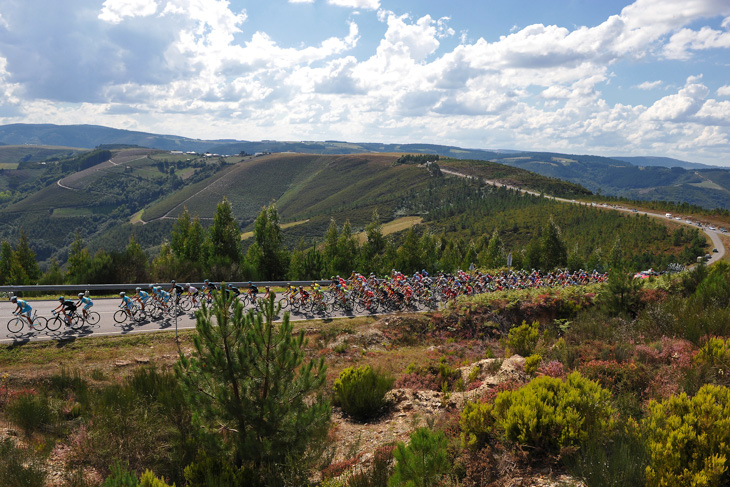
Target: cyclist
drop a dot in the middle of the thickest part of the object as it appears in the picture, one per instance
(22, 307)
(66, 308)
(230, 288)
(127, 304)
(268, 293)
(176, 289)
(193, 293)
(87, 302)
(253, 290)
(141, 297)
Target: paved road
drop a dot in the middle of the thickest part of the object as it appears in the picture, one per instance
(107, 325)
(713, 234)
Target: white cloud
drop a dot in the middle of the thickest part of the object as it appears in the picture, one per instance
(680, 106)
(366, 4)
(649, 85)
(115, 11)
(723, 90)
(301, 1)
(682, 42)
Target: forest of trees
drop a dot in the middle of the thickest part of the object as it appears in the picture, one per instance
(194, 252)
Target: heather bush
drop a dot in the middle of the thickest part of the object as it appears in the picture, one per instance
(477, 424)
(688, 439)
(149, 479)
(550, 413)
(522, 339)
(361, 392)
(532, 363)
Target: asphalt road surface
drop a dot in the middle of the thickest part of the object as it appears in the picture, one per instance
(107, 326)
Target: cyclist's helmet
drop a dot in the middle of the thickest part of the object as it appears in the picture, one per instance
(172, 282)
(138, 289)
(206, 281)
(249, 283)
(61, 298)
(187, 285)
(122, 294)
(229, 286)
(267, 288)
(13, 299)
(81, 295)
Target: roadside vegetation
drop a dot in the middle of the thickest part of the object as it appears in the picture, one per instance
(606, 388)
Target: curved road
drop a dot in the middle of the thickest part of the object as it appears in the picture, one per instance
(713, 234)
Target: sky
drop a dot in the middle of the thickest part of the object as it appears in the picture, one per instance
(604, 77)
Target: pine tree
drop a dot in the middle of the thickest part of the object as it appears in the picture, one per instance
(247, 376)
(225, 236)
(347, 250)
(79, 262)
(423, 463)
(273, 260)
(409, 254)
(26, 258)
(6, 259)
(331, 237)
(493, 256)
(373, 250)
(553, 248)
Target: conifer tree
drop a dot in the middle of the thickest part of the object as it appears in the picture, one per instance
(6, 259)
(26, 258)
(554, 253)
(247, 376)
(273, 260)
(347, 250)
(331, 237)
(79, 261)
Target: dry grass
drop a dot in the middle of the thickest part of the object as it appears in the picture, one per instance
(284, 226)
(394, 226)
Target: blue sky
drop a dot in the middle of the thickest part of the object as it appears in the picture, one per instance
(650, 77)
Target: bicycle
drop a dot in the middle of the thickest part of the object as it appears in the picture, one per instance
(137, 315)
(16, 324)
(73, 321)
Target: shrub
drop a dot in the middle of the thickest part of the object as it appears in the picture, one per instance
(532, 363)
(550, 413)
(423, 462)
(120, 476)
(615, 461)
(148, 479)
(380, 470)
(361, 392)
(688, 439)
(476, 424)
(523, 339)
(18, 469)
(31, 412)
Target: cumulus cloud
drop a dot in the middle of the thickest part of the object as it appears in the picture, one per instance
(649, 85)
(686, 40)
(365, 4)
(680, 106)
(200, 68)
(115, 11)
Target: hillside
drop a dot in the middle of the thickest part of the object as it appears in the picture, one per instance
(641, 178)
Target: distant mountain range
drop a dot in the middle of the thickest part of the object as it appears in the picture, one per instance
(647, 178)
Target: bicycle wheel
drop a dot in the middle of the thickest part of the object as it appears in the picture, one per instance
(15, 325)
(92, 317)
(284, 303)
(77, 322)
(185, 304)
(120, 316)
(54, 323)
(139, 315)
